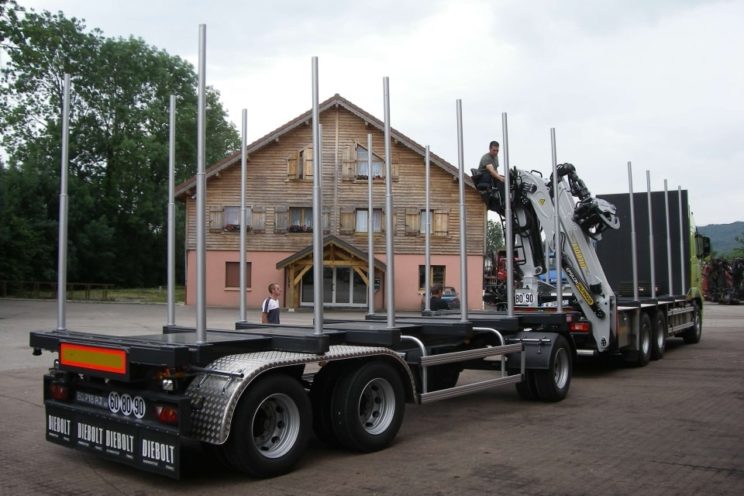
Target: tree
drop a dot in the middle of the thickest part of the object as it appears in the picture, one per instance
(118, 148)
(494, 237)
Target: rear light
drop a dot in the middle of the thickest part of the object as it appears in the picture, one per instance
(60, 392)
(167, 414)
(580, 327)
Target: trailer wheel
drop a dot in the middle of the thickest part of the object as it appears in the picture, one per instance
(271, 427)
(368, 407)
(552, 384)
(321, 395)
(658, 344)
(694, 333)
(527, 389)
(641, 357)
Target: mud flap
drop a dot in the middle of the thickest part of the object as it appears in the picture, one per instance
(538, 347)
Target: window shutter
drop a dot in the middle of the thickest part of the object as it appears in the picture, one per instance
(258, 219)
(326, 221)
(281, 219)
(348, 163)
(347, 220)
(292, 165)
(215, 219)
(441, 223)
(396, 169)
(413, 221)
(307, 162)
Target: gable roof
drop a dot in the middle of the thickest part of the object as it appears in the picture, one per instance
(329, 240)
(334, 101)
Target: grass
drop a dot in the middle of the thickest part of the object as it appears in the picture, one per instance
(143, 295)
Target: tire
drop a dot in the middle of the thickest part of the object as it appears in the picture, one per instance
(271, 427)
(321, 395)
(552, 384)
(693, 334)
(641, 357)
(368, 407)
(527, 389)
(658, 343)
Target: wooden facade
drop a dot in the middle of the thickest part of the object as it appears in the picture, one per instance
(279, 186)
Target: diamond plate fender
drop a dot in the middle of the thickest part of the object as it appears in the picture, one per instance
(214, 397)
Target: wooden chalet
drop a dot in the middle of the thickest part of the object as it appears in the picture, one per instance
(279, 187)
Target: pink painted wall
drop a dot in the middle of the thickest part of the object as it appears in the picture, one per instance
(263, 267)
(407, 295)
(263, 272)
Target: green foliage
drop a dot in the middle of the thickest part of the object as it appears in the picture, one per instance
(494, 236)
(118, 148)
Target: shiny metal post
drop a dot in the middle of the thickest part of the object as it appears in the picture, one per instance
(651, 236)
(427, 233)
(171, 317)
(390, 274)
(668, 239)
(633, 246)
(370, 233)
(682, 271)
(463, 224)
(557, 228)
(62, 248)
(201, 193)
(508, 220)
(243, 176)
(317, 212)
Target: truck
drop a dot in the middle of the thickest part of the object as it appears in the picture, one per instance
(617, 316)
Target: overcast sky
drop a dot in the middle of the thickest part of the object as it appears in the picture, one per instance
(659, 83)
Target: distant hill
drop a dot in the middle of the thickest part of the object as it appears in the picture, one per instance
(723, 236)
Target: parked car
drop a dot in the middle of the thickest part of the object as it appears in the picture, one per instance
(450, 296)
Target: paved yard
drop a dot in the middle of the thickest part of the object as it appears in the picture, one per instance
(674, 427)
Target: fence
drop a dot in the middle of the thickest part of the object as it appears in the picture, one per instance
(48, 290)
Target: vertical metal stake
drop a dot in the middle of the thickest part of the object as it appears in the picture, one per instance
(463, 224)
(62, 249)
(682, 271)
(427, 234)
(317, 212)
(201, 193)
(370, 233)
(243, 177)
(390, 274)
(557, 227)
(633, 241)
(670, 290)
(508, 215)
(651, 236)
(172, 213)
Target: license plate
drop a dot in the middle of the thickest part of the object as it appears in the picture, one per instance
(525, 297)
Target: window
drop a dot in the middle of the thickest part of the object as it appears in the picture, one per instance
(361, 220)
(436, 276)
(232, 275)
(362, 163)
(300, 164)
(231, 219)
(300, 219)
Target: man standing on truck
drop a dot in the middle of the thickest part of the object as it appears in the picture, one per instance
(490, 179)
(270, 306)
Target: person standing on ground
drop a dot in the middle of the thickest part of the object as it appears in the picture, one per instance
(270, 306)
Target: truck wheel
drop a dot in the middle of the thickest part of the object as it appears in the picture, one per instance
(658, 343)
(271, 427)
(552, 384)
(368, 406)
(694, 333)
(527, 389)
(321, 394)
